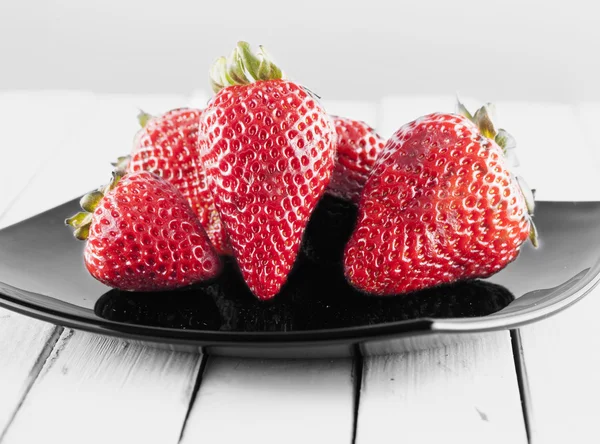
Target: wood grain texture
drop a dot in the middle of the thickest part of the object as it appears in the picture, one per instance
(465, 393)
(560, 353)
(95, 389)
(562, 362)
(270, 402)
(24, 345)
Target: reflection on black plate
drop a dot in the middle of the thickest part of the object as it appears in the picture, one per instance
(312, 299)
(328, 230)
(317, 313)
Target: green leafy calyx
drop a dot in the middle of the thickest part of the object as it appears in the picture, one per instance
(121, 164)
(484, 118)
(82, 221)
(143, 118)
(243, 67)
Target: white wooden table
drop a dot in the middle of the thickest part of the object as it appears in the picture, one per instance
(64, 386)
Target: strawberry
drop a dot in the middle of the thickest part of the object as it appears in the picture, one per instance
(268, 148)
(358, 145)
(167, 145)
(143, 236)
(440, 206)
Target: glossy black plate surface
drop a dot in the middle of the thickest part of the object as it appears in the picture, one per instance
(317, 314)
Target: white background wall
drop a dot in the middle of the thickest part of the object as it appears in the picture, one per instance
(530, 50)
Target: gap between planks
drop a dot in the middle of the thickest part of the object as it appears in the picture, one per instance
(123, 390)
(43, 357)
(201, 368)
(357, 378)
(267, 397)
(465, 391)
(522, 380)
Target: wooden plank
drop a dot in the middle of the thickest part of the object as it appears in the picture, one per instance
(560, 352)
(33, 126)
(464, 393)
(554, 155)
(561, 359)
(83, 162)
(244, 400)
(24, 346)
(96, 389)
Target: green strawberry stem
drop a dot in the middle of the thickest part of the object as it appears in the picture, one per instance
(243, 67)
(83, 220)
(533, 234)
(143, 118)
(121, 164)
(484, 119)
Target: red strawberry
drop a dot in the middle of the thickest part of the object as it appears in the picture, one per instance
(439, 206)
(358, 145)
(268, 148)
(167, 145)
(142, 235)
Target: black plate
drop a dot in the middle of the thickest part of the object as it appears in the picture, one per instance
(318, 314)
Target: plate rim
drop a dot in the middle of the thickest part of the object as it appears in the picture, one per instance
(412, 327)
(397, 329)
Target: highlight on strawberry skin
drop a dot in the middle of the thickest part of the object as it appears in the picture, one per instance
(142, 235)
(441, 205)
